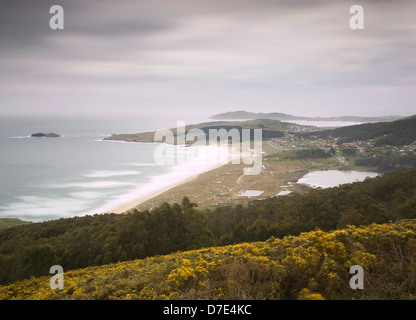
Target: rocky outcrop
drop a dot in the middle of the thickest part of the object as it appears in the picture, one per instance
(45, 135)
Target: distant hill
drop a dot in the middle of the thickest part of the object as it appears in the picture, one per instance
(6, 223)
(270, 129)
(396, 133)
(282, 117)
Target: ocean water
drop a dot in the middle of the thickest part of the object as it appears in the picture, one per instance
(79, 173)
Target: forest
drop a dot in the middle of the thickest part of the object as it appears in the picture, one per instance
(30, 250)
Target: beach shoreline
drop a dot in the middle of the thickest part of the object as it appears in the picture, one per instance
(123, 208)
(178, 176)
(213, 157)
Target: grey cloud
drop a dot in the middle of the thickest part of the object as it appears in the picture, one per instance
(215, 52)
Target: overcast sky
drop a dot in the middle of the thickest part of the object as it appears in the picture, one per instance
(190, 56)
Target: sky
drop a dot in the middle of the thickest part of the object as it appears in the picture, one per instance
(176, 57)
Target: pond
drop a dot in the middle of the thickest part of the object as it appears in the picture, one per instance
(251, 193)
(333, 178)
(284, 192)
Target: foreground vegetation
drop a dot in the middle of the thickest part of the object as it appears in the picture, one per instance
(313, 265)
(298, 246)
(79, 242)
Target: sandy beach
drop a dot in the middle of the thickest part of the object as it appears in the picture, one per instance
(204, 159)
(178, 175)
(134, 203)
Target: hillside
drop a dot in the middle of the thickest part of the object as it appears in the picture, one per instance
(6, 223)
(397, 133)
(313, 265)
(244, 115)
(270, 129)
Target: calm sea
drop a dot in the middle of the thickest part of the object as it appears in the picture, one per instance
(79, 173)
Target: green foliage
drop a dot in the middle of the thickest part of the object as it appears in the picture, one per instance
(312, 266)
(349, 152)
(314, 153)
(388, 162)
(6, 223)
(78, 242)
(384, 198)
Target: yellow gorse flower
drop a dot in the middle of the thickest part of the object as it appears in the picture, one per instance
(257, 270)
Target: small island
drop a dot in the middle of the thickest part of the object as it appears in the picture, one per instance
(45, 135)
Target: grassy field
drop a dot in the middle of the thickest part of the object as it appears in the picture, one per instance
(6, 223)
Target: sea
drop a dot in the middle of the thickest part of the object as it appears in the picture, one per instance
(80, 173)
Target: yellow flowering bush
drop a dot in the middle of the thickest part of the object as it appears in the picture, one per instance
(306, 294)
(313, 265)
(303, 259)
(179, 277)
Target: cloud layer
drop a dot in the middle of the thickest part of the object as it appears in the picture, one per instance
(182, 56)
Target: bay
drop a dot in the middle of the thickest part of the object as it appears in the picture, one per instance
(79, 173)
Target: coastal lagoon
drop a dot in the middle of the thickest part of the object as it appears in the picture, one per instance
(251, 193)
(284, 192)
(333, 178)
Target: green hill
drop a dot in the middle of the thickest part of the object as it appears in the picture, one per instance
(396, 133)
(6, 223)
(313, 265)
(270, 129)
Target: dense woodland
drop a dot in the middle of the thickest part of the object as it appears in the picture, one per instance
(30, 250)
